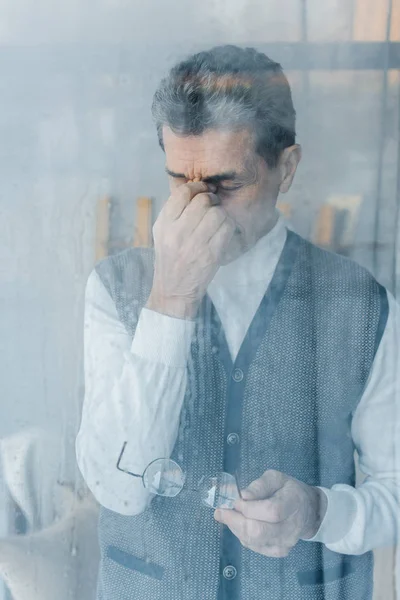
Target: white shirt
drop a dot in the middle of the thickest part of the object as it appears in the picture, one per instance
(134, 391)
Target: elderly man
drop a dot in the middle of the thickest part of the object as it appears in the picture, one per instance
(237, 367)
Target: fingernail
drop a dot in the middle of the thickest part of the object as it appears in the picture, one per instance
(212, 187)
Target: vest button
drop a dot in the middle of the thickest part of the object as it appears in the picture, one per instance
(229, 572)
(232, 439)
(238, 375)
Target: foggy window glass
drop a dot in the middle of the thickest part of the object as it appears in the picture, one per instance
(199, 285)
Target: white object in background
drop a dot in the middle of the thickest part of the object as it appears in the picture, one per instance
(32, 464)
(58, 558)
(60, 562)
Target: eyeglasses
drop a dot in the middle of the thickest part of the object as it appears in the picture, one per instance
(164, 477)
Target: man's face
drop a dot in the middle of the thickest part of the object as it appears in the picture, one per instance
(246, 186)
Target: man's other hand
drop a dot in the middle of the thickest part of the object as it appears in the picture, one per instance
(275, 512)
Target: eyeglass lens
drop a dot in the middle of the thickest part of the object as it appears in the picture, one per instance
(220, 491)
(164, 477)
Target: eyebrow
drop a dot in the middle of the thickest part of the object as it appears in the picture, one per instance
(228, 176)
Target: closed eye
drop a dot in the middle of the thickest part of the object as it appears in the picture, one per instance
(230, 188)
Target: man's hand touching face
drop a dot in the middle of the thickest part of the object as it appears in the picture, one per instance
(275, 512)
(190, 237)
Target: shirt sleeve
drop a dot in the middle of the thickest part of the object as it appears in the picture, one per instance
(363, 518)
(134, 391)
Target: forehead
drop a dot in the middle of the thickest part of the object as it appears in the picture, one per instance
(204, 155)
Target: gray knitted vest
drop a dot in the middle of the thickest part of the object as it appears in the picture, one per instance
(288, 400)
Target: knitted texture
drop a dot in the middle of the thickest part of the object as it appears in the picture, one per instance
(289, 396)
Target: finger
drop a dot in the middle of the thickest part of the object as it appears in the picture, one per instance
(198, 210)
(208, 218)
(181, 197)
(276, 509)
(234, 520)
(220, 238)
(257, 533)
(264, 487)
(248, 531)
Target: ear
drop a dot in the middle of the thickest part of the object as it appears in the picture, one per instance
(288, 162)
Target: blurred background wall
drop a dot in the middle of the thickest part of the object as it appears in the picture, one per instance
(76, 84)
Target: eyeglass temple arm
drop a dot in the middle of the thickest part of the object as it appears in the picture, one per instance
(237, 485)
(119, 462)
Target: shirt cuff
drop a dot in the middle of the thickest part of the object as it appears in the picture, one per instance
(162, 339)
(339, 517)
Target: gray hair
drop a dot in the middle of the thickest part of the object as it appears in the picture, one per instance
(230, 88)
